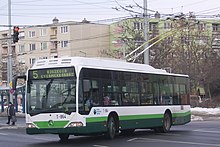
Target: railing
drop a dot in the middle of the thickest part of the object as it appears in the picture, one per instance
(53, 36)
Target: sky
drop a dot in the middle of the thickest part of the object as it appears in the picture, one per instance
(34, 12)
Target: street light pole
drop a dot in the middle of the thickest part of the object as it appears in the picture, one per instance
(146, 53)
(9, 64)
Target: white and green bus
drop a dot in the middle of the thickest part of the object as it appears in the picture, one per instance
(81, 96)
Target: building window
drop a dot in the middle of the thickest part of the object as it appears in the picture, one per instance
(64, 44)
(64, 29)
(201, 27)
(32, 34)
(43, 32)
(43, 58)
(169, 39)
(21, 35)
(21, 48)
(168, 25)
(43, 46)
(153, 26)
(32, 61)
(32, 47)
(138, 26)
(215, 27)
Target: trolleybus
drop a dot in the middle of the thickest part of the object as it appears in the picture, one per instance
(81, 96)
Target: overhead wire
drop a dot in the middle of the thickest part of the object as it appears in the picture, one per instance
(163, 36)
(70, 5)
(126, 9)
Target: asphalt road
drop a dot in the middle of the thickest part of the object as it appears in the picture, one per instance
(194, 134)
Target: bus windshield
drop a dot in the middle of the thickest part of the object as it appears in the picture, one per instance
(51, 95)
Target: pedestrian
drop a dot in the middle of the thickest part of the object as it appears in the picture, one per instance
(11, 114)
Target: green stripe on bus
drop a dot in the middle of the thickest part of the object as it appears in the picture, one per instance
(181, 114)
(146, 116)
(96, 119)
(48, 124)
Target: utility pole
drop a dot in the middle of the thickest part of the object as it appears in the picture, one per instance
(146, 53)
(9, 64)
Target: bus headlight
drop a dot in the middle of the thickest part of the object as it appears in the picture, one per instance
(75, 124)
(30, 125)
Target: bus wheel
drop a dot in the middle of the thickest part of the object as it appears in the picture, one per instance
(167, 122)
(64, 137)
(127, 132)
(111, 128)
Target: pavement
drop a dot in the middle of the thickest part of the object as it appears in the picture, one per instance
(19, 124)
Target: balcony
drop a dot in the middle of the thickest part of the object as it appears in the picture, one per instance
(154, 32)
(53, 50)
(4, 44)
(215, 46)
(4, 55)
(53, 37)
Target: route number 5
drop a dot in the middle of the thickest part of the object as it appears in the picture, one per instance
(35, 74)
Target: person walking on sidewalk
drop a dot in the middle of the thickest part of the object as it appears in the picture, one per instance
(11, 114)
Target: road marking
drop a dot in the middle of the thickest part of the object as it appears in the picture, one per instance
(204, 131)
(44, 139)
(100, 146)
(3, 134)
(132, 139)
(171, 141)
(168, 134)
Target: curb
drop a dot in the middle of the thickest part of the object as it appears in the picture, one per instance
(11, 127)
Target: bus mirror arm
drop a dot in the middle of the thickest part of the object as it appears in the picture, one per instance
(14, 81)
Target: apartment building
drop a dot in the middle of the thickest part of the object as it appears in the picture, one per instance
(131, 30)
(62, 39)
(58, 39)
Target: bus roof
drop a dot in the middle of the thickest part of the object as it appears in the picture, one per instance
(100, 63)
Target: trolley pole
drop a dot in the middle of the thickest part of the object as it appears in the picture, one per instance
(146, 53)
(9, 64)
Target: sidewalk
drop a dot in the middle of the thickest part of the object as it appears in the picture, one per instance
(19, 124)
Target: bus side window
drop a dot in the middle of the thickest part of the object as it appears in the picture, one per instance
(126, 100)
(106, 100)
(165, 98)
(183, 95)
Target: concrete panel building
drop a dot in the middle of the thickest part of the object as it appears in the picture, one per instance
(58, 39)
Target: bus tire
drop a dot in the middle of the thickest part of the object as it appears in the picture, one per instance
(111, 128)
(167, 122)
(64, 137)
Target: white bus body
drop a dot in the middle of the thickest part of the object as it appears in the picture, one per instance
(125, 96)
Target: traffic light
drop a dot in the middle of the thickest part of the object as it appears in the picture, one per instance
(15, 34)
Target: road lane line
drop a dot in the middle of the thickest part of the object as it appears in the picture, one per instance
(3, 134)
(100, 146)
(132, 139)
(179, 142)
(44, 139)
(168, 134)
(204, 131)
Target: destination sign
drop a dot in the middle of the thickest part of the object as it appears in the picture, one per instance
(51, 73)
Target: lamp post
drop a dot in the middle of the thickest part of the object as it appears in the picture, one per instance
(9, 65)
(146, 53)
